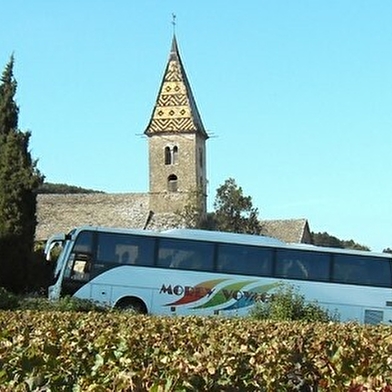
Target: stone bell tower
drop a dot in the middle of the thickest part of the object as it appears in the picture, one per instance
(176, 143)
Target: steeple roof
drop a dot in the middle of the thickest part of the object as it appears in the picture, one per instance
(175, 109)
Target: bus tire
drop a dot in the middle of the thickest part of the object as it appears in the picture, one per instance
(132, 304)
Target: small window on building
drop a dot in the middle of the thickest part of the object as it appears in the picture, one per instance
(167, 156)
(201, 157)
(172, 183)
(171, 155)
(175, 155)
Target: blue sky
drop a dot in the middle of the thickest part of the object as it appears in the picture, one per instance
(297, 96)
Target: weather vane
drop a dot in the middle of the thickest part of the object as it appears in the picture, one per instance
(174, 22)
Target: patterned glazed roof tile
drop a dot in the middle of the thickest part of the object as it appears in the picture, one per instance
(175, 108)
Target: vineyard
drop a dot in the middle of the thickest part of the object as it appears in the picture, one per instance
(72, 351)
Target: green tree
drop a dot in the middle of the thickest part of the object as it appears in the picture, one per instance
(9, 110)
(19, 180)
(234, 212)
(50, 188)
(325, 239)
(193, 214)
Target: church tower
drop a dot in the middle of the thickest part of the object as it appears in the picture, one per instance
(176, 143)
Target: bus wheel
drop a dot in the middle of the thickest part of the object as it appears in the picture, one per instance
(132, 304)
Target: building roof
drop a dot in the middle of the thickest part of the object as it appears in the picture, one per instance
(175, 108)
(287, 230)
(60, 213)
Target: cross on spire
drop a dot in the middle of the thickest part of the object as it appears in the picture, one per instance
(174, 23)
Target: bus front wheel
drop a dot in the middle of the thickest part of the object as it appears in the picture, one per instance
(132, 304)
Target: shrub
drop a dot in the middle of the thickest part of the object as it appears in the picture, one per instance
(73, 351)
(8, 301)
(65, 304)
(39, 272)
(288, 305)
(78, 305)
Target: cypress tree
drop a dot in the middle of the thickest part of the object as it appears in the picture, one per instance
(19, 180)
(9, 110)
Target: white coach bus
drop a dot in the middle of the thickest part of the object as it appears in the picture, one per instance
(196, 272)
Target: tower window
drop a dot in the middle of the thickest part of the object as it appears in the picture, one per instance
(172, 183)
(175, 154)
(171, 155)
(167, 156)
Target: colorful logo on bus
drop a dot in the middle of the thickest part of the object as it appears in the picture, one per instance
(220, 294)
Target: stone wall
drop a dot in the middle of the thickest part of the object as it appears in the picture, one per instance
(61, 213)
(187, 167)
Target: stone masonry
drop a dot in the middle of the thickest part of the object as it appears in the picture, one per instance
(60, 213)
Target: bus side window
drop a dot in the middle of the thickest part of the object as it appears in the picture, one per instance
(362, 270)
(180, 259)
(166, 257)
(299, 264)
(289, 265)
(84, 242)
(244, 260)
(141, 250)
(182, 254)
(128, 254)
(379, 272)
(114, 249)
